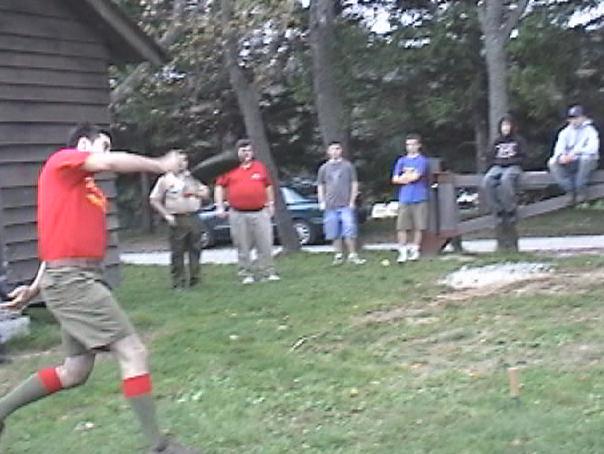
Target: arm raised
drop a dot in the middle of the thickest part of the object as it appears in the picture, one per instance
(122, 162)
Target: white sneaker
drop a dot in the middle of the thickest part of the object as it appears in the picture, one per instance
(355, 259)
(402, 255)
(248, 280)
(338, 259)
(273, 277)
(413, 253)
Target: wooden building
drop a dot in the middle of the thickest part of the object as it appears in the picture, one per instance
(54, 59)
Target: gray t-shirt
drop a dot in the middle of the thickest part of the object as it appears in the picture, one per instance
(337, 178)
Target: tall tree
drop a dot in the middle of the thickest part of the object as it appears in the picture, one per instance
(332, 115)
(497, 19)
(249, 103)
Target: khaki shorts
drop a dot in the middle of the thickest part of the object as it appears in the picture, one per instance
(412, 217)
(82, 303)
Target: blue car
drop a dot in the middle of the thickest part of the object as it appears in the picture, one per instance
(306, 217)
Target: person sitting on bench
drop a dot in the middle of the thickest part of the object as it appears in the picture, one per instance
(501, 180)
(575, 155)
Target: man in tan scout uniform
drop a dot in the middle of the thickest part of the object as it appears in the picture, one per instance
(72, 239)
(177, 197)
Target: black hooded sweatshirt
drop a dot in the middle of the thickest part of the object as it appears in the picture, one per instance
(509, 150)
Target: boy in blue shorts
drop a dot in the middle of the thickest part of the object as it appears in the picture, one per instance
(337, 191)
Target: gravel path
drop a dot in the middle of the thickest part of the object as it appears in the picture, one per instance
(227, 255)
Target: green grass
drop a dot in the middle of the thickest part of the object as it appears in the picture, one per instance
(370, 359)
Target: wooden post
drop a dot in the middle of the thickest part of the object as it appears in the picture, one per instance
(432, 241)
(514, 382)
(507, 236)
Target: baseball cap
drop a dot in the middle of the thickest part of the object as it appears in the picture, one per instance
(575, 111)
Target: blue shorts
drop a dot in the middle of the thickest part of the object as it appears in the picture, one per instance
(339, 223)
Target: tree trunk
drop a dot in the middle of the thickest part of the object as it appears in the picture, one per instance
(497, 20)
(480, 139)
(481, 143)
(496, 62)
(146, 213)
(248, 100)
(496, 57)
(333, 119)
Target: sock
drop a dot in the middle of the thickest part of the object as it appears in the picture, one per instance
(40, 385)
(137, 391)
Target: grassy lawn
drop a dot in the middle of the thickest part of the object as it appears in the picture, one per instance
(370, 359)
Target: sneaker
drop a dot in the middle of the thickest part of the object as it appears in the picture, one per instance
(402, 255)
(171, 446)
(573, 197)
(355, 259)
(581, 197)
(274, 277)
(413, 253)
(248, 280)
(338, 259)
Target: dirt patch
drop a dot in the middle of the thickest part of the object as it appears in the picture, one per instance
(491, 342)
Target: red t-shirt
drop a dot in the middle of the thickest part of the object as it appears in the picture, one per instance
(71, 209)
(246, 188)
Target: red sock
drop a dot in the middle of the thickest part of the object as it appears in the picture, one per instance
(137, 386)
(50, 380)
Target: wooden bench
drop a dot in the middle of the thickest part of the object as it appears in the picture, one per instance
(445, 220)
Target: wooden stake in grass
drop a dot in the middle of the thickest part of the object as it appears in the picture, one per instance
(514, 382)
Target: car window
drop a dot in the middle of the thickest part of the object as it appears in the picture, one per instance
(290, 196)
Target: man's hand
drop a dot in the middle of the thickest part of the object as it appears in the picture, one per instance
(172, 162)
(271, 208)
(19, 298)
(322, 206)
(220, 212)
(170, 219)
(567, 158)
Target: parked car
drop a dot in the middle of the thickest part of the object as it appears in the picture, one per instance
(467, 198)
(306, 216)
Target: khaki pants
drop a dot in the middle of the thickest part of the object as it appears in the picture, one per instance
(185, 237)
(89, 316)
(251, 229)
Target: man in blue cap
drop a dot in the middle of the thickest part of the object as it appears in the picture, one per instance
(575, 154)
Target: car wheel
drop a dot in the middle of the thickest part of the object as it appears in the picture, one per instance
(304, 231)
(207, 239)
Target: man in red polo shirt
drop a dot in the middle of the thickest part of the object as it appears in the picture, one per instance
(71, 242)
(249, 192)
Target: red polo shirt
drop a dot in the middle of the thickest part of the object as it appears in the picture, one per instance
(246, 187)
(71, 209)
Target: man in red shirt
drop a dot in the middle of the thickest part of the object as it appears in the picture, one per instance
(249, 192)
(71, 244)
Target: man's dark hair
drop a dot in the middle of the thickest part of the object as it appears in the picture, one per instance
(88, 130)
(414, 136)
(242, 143)
(334, 142)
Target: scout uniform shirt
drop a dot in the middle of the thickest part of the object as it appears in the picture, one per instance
(178, 192)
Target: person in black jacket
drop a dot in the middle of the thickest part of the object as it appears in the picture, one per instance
(501, 180)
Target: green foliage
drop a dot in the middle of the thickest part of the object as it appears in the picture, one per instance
(427, 74)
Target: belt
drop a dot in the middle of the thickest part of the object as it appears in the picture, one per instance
(247, 210)
(74, 263)
(184, 214)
